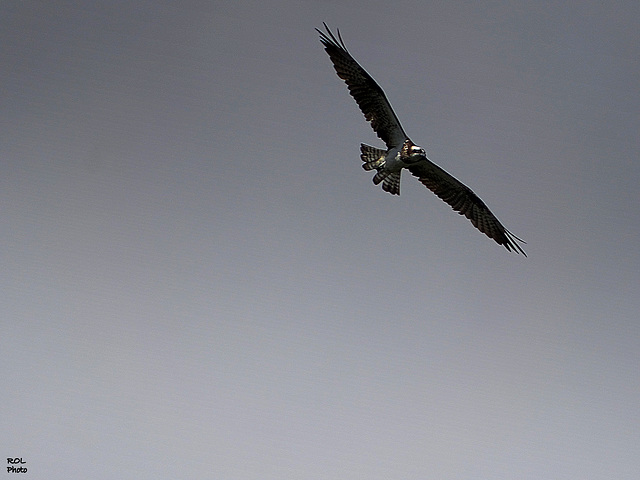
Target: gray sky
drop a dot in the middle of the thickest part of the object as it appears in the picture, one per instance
(200, 281)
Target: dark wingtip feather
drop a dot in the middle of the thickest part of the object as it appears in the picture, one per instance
(511, 242)
(329, 40)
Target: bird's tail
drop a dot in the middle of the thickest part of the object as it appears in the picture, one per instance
(374, 159)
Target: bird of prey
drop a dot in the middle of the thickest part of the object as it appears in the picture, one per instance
(402, 153)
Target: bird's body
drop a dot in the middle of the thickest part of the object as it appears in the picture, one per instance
(402, 153)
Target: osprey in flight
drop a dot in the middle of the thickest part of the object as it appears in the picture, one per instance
(402, 152)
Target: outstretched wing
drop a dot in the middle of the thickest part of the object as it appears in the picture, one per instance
(367, 93)
(462, 199)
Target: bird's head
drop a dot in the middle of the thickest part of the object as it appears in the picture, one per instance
(412, 152)
(415, 150)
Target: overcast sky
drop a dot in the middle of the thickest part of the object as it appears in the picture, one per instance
(200, 281)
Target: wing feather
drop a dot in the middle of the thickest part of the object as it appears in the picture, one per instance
(363, 88)
(462, 199)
